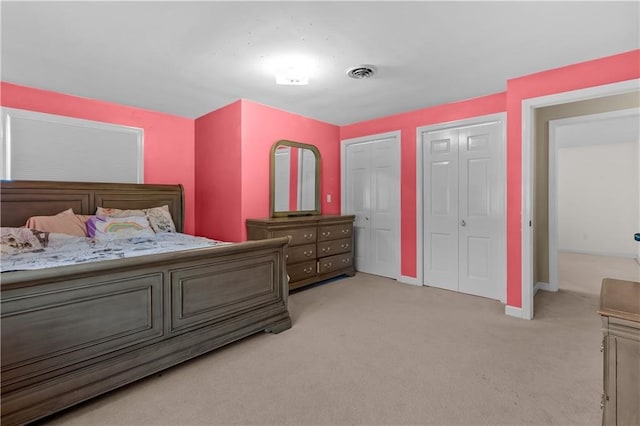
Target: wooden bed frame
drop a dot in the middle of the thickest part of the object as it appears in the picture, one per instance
(73, 332)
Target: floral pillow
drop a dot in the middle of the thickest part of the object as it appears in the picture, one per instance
(159, 217)
(22, 240)
(113, 228)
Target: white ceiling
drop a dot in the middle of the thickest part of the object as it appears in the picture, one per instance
(190, 58)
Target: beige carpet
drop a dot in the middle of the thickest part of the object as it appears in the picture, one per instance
(368, 350)
(584, 272)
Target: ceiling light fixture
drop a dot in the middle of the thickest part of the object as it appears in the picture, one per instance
(294, 75)
(291, 69)
(361, 72)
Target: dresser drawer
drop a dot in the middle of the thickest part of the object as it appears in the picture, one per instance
(301, 271)
(334, 232)
(334, 263)
(320, 247)
(301, 253)
(329, 248)
(298, 235)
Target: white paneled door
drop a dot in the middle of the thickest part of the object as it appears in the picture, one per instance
(464, 209)
(371, 172)
(441, 208)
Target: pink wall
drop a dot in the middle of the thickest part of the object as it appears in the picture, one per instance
(229, 150)
(611, 69)
(232, 151)
(607, 70)
(168, 139)
(407, 124)
(218, 173)
(262, 126)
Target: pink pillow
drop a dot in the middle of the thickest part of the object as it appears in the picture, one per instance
(66, 222)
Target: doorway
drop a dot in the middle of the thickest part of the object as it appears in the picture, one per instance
(461, 192)
(594, 193)
(530, 107)
(370, 169)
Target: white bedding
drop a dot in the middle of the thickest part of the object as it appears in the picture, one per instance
(64, 250)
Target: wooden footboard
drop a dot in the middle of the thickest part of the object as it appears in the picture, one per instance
(74, 332)
(71, 333)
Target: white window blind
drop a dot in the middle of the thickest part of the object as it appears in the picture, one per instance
(38, 146)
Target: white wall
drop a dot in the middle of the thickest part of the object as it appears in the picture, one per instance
(599, 186)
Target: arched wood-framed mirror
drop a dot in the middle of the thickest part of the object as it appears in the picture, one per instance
(294, 179)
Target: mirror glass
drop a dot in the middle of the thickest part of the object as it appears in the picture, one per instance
(295, 179)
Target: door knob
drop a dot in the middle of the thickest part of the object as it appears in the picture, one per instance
(463, 223)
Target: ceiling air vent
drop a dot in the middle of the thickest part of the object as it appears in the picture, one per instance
(361, 72)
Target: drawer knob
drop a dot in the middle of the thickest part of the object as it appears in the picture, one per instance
(308, 236)
(345, 230)
(344, 246)
(328, 265)
(308, 270)
(308, 253)
(326, 249)
(326, 233)
(346, 260)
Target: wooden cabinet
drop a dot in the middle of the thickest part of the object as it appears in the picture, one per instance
(620, 314)
(321, 247)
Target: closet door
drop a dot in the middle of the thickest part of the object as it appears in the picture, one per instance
(481, 212)
(358, 202)
(372, 194)
(440, 160)
(463, 216)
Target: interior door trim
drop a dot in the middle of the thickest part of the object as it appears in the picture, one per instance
(555, 143)
(529, 107)
(397, 135)
(473, 121)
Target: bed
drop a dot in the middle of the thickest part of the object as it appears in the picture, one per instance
(70, 333)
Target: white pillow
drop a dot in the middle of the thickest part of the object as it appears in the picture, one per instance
(111, 228)
(159, 217)
(22, 240)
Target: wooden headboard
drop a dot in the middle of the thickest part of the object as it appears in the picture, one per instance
(20, 200)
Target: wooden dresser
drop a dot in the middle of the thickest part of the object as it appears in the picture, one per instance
(620, 313)
(321, 247)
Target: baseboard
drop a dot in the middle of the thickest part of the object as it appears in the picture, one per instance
(512, 311)
(597, 253)
(408, 280)
(542, 286)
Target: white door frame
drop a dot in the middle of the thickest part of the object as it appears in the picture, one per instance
(554, 146)
(502, 118)
(343, 181)
(528, 137)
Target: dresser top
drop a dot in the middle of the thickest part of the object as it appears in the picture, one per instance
(620, 299)
(301, 219)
